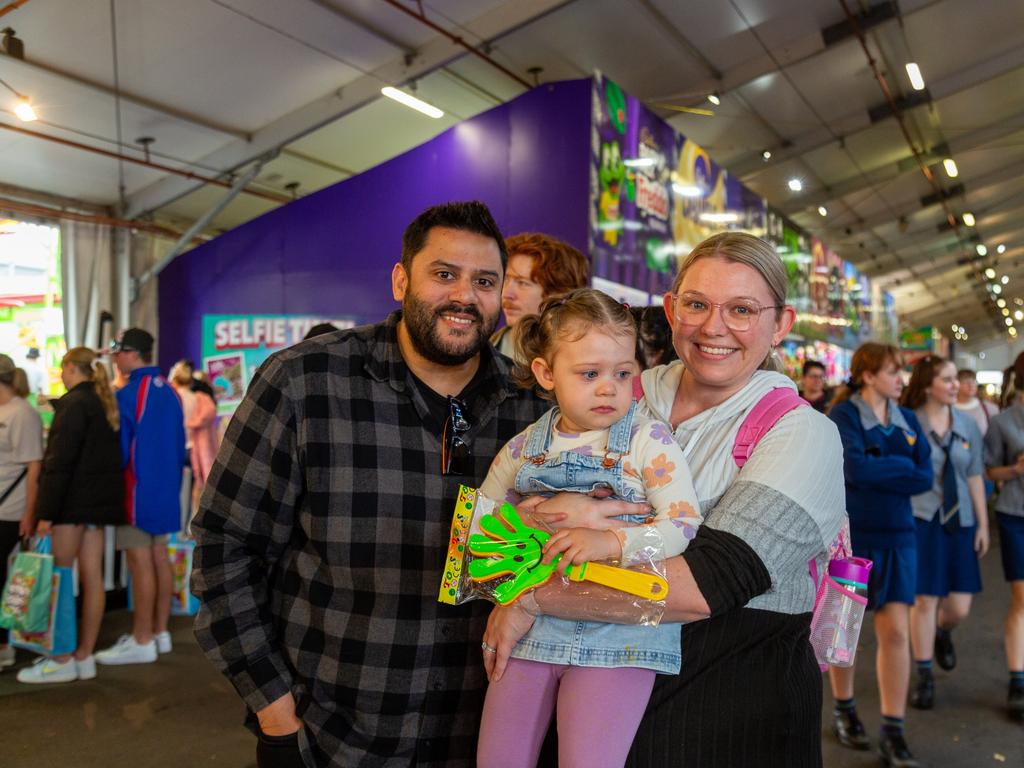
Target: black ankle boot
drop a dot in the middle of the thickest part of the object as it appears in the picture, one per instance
(1015, 702)
(894, 751)
(923, 695)
(945, 653)
(849, 729)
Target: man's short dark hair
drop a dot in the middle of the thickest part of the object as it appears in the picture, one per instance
(811, 365)
(966, 373)
(472, 216)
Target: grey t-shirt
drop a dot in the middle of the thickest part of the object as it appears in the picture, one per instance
(1004, 442)
(21, 441)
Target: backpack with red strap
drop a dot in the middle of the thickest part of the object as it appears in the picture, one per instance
(762, 417)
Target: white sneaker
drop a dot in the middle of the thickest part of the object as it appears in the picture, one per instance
(163, 642)
(86, 668)
(46, 670)
(127, 651)
(6, 657)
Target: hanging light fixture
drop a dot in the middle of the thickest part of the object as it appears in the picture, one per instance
(22, 106)
(412, 102)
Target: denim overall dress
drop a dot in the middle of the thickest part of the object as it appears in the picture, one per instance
(590, 643)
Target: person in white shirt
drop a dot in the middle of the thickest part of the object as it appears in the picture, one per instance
(967, 400)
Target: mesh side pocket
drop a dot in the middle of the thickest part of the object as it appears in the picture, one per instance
(836, 624)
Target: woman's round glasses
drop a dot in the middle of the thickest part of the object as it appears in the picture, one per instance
(692, 308)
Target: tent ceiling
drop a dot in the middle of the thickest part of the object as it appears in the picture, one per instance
(219, 83)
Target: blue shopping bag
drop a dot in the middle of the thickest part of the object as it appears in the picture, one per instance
(26, 595)
(61, 633)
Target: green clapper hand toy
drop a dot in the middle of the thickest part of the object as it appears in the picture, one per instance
(509, 546)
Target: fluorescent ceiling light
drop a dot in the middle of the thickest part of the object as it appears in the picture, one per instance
(823, 210)
(687, 190)
(713, 98)
(982, 251)
(969, 219)
(720, 218)
(23, 109)
(914, 73)
(795, 185)
(412, 102)
(950, 165)
(639, 162)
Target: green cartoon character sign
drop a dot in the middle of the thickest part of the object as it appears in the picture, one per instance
(612, 177)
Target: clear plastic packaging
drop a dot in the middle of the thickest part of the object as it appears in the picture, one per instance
(839, 614)
(495, 553)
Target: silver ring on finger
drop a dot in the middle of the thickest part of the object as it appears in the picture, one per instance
(488, 648)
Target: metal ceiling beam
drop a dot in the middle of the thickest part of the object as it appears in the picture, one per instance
(134, 98)
(33, 196)
(799, 50)
(892, 170)
(358, 93)
(198, 224)
(753, 164)
(367, 26)
(963, 187)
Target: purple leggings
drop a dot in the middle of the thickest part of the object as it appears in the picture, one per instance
(599, 710)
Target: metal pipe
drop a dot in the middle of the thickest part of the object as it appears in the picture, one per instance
(121, 246)
(43, 211)
(199, 223)
(459, 41)
(12, 7)
(880, 77)
(69, 288)
(141, 101)
(147, 163)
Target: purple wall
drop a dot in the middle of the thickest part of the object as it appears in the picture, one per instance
(331, 253)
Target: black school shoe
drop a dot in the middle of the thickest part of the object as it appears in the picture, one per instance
(923, 695)
(894, 752)
(1015, 702)
(945, 653)
(849, 729)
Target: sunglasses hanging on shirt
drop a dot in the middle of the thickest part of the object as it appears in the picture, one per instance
(455, 450)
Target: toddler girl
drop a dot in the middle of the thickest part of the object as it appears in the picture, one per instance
(581, 353)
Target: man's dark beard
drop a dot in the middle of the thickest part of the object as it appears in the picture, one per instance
(421, 323)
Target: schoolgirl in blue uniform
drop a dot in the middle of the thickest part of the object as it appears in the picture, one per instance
(1004, 457)
(952, 521)
(886, 460)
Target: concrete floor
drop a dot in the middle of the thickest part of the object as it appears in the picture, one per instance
(180, 711)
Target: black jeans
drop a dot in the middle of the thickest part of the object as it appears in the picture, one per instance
(278, 751)
(8, 539)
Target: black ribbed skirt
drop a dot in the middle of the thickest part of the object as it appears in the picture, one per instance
(748, 694)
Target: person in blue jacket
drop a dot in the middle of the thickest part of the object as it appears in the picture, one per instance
(886, 460)
(153, 451)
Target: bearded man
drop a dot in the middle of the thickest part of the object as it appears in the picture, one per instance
(323, 531)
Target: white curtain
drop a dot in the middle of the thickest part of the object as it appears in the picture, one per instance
(88, 281)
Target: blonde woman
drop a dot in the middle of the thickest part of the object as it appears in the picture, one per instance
(81, 490)
(21, 449)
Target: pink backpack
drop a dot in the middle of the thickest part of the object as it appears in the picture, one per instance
(762, 417)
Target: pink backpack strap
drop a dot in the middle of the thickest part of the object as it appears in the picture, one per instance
(638, 387)
(762, 417)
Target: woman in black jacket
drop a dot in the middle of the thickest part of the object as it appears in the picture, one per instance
(80, 491)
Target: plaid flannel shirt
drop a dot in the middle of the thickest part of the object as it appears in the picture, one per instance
(321, 539)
